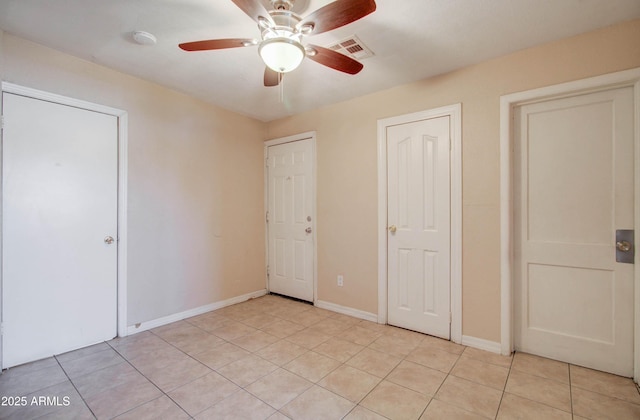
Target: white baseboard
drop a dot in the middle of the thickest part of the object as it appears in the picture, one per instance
(345, 310)
(143, 326)
(479, 343)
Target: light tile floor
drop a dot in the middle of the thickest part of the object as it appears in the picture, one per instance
(276, 358)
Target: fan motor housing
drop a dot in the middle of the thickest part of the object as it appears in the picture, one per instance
(282, 4)
(285, 19)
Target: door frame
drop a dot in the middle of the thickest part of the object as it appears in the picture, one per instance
(627, 78)
(454, 112)
(122, 118)
(309, 135)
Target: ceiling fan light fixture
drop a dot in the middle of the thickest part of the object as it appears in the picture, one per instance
(281, 54)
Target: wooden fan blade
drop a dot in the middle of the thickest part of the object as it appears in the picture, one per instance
(335, 60)
(254, 9)
(271, 77)
(217, 44)
(337, 14)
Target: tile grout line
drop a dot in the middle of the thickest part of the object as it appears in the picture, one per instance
(389, 373)
(222, 375)
(504, 388)
(317, 383)
(195, 379)
(570, 391)
(7, 370)
(445, 379)
(74, 387)
(571, 386)
(150, 381)
(372, 389)
(545, 378)
(442, 383)
(282, 367)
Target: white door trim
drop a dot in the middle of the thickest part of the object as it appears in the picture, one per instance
(122, 181)
(455, 113)
(282, 140)
(507, 104)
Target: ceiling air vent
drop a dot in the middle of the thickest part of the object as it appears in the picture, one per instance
(353, 48)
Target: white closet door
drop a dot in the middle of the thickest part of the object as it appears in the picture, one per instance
(419, 226)
(59, 209)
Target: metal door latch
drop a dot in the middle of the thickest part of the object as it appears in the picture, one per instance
(625, 248)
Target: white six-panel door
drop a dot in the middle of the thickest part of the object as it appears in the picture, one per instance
(290, 219)
(60, 177)
(574, 183)
(419, 225)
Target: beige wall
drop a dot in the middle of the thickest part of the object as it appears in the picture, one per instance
(347, 177)
(196, 232)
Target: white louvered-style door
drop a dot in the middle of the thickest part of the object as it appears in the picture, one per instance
(290, 219)
(419, 226)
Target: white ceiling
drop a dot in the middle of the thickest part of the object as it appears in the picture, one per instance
(411, 40)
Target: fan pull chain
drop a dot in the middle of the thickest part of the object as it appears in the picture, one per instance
(281, 86)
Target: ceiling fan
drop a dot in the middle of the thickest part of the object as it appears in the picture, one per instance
(282, 32)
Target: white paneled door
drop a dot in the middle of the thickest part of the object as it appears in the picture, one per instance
(418, 217)
(59, 228)
(290, 219)
(573, 188)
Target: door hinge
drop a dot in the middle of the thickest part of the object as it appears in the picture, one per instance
(1, 329)
(266, 162)
(450, 317)
(268, 273)
(267, 217)
(1, 122)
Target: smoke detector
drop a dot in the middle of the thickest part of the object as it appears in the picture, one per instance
(144, 38)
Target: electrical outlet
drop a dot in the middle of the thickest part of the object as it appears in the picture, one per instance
(340, 280)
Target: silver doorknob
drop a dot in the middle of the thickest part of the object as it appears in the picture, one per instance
(108, 240)
(308, 230)
(392, 228)
(623, 246)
